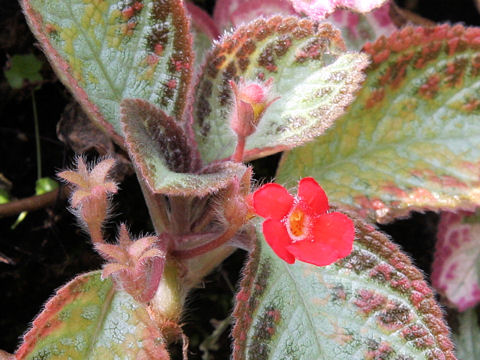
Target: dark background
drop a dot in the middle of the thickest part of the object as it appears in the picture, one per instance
(47, 249)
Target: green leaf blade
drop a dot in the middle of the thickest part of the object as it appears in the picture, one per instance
(373, 304)
(104, 51)
(312, 74)
(163, 157)
(410, 139)
(89, 319)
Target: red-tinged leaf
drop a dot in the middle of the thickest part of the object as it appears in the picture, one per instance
(88, 319)
(106, 50)
(410, 140)
(319, 9)
(162, 156)
(204, 31)
(314, 78)
(233, 13)
(456, 265)
(374, 304)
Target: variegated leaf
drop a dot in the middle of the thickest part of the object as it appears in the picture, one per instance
(357, 28)
(374, 304)
(88, 319)
(162, 156)
(233, 13)
(313, 76)
(319, 9)
(108, 50)
(456, 265)
(410, 141)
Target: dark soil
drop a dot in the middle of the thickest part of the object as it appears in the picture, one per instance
(47, 249)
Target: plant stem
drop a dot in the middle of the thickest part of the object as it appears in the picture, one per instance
(37, 136)
(239, 150)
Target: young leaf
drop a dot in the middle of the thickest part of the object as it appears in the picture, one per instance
(374, 304)
(319, 9)
(409, 141)
(312, 76)
(106, 50)
(162, 155)
(467, 338)
(23, 68)
(457, 259)
(88, 319)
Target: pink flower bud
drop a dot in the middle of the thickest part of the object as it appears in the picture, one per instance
(252, 98)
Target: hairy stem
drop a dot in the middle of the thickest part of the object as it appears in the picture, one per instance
(240, 149)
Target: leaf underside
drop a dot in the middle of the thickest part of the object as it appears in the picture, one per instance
(108, 50)
(312, 76)
(374, 304)
(455, 269)
(88, 319)
(410, 141)
(160, 153)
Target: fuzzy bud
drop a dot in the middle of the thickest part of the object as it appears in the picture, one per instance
(252, 98)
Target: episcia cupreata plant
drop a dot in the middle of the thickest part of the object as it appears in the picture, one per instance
(390, 126)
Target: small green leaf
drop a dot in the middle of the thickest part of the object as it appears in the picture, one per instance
(23, 68)
(467, 338)
(163, 158)
(410, 139)
(44, 185)
(89, 319)
(313, 77)
(108, 50)
(4, 196)
(374, 304)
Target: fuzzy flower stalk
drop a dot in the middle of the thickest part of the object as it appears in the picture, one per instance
(137, 265)
(91, 192)
(251, 100)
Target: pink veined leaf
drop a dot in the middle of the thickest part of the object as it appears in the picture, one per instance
(319, 9)
(457, 259)
(357, 29)
(233, 13)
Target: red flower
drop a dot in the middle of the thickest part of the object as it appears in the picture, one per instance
(301, 227)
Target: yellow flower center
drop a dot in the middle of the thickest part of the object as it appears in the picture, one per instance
(297, 222)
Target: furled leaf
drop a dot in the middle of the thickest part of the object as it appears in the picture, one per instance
(162, 154)
(456, 262)
(410, 139)
(319, 9)
(312, 76)
(88, 319)
(467, 338)
(229, 14)
(107, 50)
(23, 68)
(204, 31)
(374, 304)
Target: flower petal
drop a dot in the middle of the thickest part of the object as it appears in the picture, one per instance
(333, 236)
(272, 201)
(277, 237)
(310, 192)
